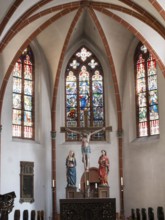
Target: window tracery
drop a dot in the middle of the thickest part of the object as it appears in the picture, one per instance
(84, 90)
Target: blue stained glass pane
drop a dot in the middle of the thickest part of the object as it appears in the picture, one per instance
(28, 87)
(154, 113)
(153, 97)
(84, 101)
(152, 82)
(97, 86)
(71, 136)
(16, 101)
(27, 118)
(71, 88)
(17, 117)
(71, 114)
(84, 87)
(28, 103)
(97, 100)
(17, 85)
(153, 100)
(71, 101)
(98, 113)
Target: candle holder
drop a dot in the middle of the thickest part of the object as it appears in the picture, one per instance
(87, 192)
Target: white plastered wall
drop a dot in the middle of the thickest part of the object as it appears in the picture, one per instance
(39, 151)
(143, 157)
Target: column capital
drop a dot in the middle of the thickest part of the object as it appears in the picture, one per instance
(120, 133)
(0, 128)
(53, 135)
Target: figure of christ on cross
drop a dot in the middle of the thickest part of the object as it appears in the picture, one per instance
(85, 146)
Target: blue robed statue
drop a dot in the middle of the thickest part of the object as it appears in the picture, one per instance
(71, 169)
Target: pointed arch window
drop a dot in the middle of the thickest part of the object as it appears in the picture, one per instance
(84, 91)
(147, 108)
(23, 96)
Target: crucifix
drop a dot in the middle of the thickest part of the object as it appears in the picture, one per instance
(86, 133)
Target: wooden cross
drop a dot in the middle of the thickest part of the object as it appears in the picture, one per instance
(85, 144)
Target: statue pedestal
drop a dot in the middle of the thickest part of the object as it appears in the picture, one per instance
(70, 192)
(103, 192)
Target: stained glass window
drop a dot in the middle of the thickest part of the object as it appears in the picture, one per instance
(23, 96)
(146, 93)
(84, 91)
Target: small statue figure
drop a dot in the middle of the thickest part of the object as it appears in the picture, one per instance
(71, 169)
(103, 168)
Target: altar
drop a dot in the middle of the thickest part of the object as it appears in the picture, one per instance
(88, 209)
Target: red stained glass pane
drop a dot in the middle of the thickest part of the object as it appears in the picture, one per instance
(71, 114)
(28, 132)
(27, 72)
(147, 98)
(151, 65)
(143, 129)
(17, 70)
(154, 127)
(23, 124)
(16, 131)
(84, 75)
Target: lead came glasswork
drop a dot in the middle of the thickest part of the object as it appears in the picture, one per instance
(28, 103)
(83, 54)
(17, 69)
(84, 91)
(147, 94)
(23, 85)
(71, 101)
(27, 118)
(27, 68)
(17, 85)
(16, 101)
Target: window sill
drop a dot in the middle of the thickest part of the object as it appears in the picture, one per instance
(22, 140)
(146, 140)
